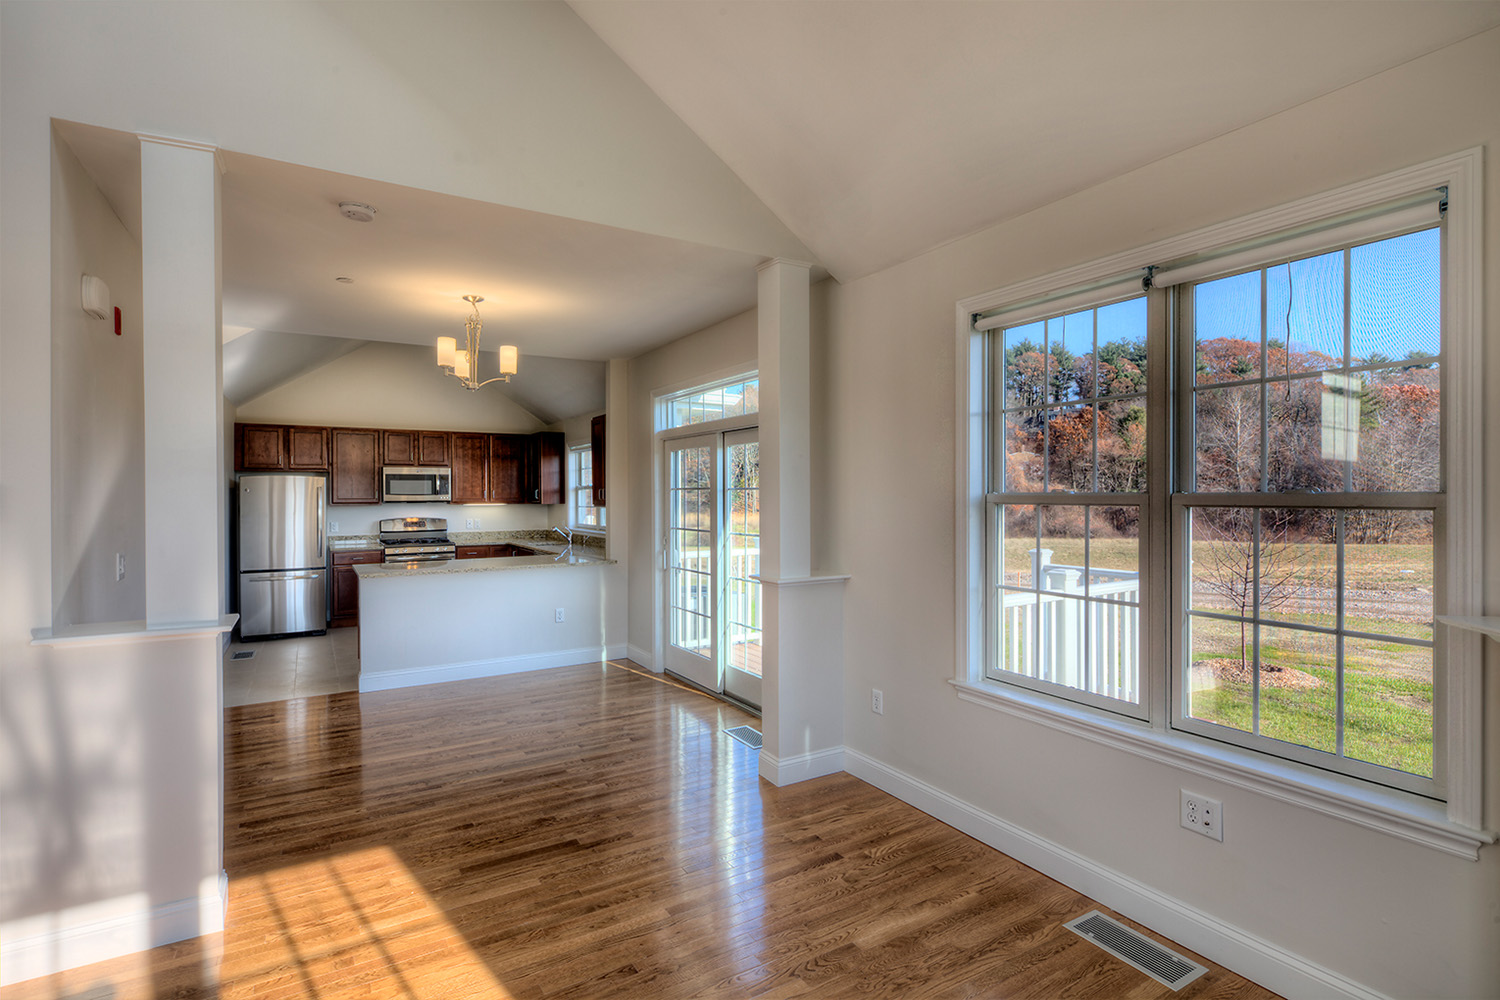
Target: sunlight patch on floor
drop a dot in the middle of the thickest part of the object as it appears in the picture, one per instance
(358, 918)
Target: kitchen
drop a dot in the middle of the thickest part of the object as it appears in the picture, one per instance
(313, 537)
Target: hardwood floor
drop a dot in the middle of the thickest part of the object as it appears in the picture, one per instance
(591, 832)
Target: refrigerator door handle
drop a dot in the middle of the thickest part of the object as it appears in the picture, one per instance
(273, 575)
(321, 511)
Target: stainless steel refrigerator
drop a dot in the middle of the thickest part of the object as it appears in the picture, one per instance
(282, 552)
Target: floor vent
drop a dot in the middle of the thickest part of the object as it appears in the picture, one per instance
(242, 654)
(1136, 950)
(746, 735)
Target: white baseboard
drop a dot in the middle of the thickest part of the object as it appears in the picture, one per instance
(50, 943)
(790, 770)
(1252, 957)
(388, 680)
(641, 656)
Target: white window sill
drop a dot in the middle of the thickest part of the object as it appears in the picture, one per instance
(589, 532)
(1390, 811)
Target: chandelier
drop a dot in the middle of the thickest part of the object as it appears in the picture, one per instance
(464, 364)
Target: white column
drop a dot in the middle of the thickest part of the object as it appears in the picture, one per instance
(182, 344)
(783, 334)
(617, 505)
(802, 646)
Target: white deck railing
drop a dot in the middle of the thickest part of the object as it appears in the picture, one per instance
(1054, 634)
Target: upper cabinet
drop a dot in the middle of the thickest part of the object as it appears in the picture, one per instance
(596, 446)
(279, 448)
(356, 465)
(432, 448)
(509, 465)
(398, 447)
(307, 449)
(487, 468)
(547, 464)
(470, 455)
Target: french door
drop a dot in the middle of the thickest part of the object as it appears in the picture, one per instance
(712, 606)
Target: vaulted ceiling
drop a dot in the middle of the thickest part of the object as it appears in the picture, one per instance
(872, 131)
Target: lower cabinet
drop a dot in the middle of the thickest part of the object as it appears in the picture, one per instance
(345, 585)
(491, 551)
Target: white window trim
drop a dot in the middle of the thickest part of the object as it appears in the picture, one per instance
(594, 530)
(1456, 828)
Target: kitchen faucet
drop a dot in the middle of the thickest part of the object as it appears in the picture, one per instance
(565, 533)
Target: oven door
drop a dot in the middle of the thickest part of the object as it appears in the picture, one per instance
(410, 483)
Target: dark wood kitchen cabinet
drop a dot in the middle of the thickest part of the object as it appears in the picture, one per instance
(547, 467)
(414, 448)
(596, 446)
(280, 448)
(356, 465)
(470, 455)
(432, 448)
(307, 449)
(508, 464)
(398, 448)
(259, 447)
(346, 585)
(476, 551)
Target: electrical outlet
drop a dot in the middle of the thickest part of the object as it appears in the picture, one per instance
(119, 566)
(333, 527)
(1202, 814)
(877, 701)
(559, 614)
(468, 524)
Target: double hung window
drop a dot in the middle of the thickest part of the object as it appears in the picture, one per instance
(1213, 488)
(581, 510)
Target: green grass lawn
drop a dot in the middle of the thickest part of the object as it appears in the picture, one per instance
(1388, 687)
(1387, 700)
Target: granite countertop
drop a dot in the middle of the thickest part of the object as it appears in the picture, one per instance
(369, 571)
(348, 543)
(541, 541)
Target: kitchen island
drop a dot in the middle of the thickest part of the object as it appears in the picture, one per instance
(457, 619)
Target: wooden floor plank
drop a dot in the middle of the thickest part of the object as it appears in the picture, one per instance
(590, 832)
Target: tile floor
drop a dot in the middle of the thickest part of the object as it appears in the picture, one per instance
(282, 669)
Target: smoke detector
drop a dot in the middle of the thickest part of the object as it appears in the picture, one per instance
(357, 211)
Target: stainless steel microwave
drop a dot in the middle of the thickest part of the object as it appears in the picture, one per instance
(402, 483)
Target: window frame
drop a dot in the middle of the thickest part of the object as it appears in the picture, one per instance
(1455, 825)
(575, 453)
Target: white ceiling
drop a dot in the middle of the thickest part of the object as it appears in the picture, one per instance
(874, 131)
(878, 130)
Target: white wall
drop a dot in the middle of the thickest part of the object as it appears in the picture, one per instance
(388, 385)
(700, 357)
(1405, 920)
(98, 430)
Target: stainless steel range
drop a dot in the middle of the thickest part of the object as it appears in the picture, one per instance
(416, 539)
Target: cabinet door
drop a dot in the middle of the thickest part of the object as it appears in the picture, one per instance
(432, 448)
(508, 478)
(596, 445)
(356, 465)
(470, 454)
(549, 447)
(398, 447)
(474, 551)
(346, 584)
(307, 448)
(262, 447)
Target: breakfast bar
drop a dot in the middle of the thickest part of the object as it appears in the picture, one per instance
(458, 619)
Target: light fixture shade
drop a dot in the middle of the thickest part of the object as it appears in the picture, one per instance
(508, 357)
(461, 364)
(446, 347)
